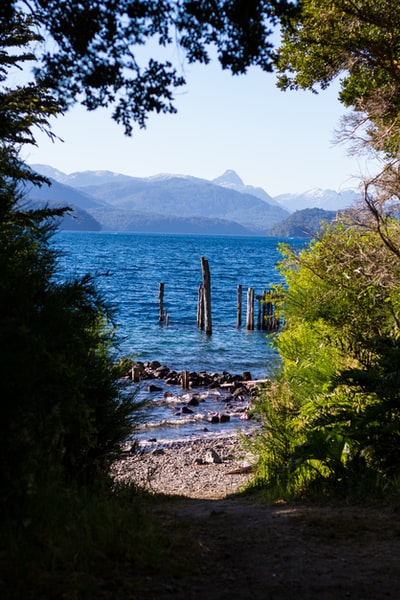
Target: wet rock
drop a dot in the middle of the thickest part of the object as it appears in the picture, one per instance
(213, 419)
(161, 372)
(183, 411)
(154, 365)
(224, 418)
(218, 418)
(240, 393)
(194, 401)
(154, 388)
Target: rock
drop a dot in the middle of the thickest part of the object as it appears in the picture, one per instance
(213, 419)
(240, 392)
(212, 457)
(161, 372)
(224, 418)
(184, 411)
(154, 365)
(154, 388)
(194, 401)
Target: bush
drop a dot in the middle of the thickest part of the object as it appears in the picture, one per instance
(340, 368)
(64, 412)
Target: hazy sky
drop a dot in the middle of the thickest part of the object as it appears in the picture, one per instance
(281, 141)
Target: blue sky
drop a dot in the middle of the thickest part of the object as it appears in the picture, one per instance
(281, 141)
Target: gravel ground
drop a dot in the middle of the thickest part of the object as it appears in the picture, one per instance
(204, 468)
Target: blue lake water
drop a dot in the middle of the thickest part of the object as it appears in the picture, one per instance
(129, 269)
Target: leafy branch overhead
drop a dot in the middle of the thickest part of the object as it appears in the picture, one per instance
(94, 49)
(359, 43)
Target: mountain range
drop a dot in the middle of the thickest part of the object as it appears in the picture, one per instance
(103, 200)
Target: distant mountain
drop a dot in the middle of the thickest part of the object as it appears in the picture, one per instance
(75, 219)
(59, 195)
(173, 196)
(124, 203)
(79, 220)
(304, 223)
(79, 178)
(317, 198)
(186, 196)
(106, 217)
(115, 219)
(231, 180)
(63, 194)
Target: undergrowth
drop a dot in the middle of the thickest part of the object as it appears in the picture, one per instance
(73, 544)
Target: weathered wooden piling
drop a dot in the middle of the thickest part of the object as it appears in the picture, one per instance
(260, 312)
(200, 307)
(239, 305)
(250, 310)
(161, 317)
(267, 319)
(136, 374)
(207, 294)
(268, 312)
(185, 380)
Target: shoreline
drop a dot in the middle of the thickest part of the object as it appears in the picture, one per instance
(201, 468)
(188, 405)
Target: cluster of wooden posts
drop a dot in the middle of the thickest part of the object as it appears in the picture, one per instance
(267, 320)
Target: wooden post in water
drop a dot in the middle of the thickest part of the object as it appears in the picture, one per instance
(185, 380)
(200, 307)
(250, 310)
(207, 294)
(260, 313)
(268, 312)
(239, 306)
(161, 303)
(135, 374)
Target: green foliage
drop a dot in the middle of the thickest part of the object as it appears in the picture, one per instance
(64, 413)
(100, 49)
(22, 108)
(358, 42)
(340, 367)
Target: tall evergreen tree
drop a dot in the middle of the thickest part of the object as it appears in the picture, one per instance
(63, 413)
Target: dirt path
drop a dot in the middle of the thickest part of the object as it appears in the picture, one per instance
(240, 548)
(246, 550)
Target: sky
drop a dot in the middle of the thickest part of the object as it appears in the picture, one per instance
(280, 141)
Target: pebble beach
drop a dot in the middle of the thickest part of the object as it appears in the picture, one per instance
(203, 468)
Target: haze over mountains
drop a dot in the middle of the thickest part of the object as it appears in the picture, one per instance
(103, 200)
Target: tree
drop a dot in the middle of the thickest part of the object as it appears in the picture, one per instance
(96, 56)
(63, 411)
(358, 42)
